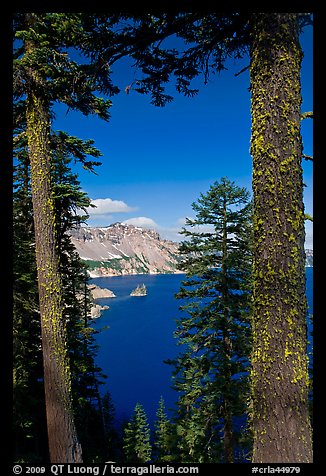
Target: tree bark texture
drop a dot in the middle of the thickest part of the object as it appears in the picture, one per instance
(280, 417)
(63, 444)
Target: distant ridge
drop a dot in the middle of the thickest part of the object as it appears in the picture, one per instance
(123, 249)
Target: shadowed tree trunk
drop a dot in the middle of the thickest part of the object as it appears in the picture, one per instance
(281, 425)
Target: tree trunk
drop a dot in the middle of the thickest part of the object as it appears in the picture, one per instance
(63, 444)
(281, 425)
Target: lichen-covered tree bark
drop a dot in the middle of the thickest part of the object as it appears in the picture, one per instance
(63, 444)
(281, 425)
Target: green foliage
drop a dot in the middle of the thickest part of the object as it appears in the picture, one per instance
(163, 436)
(136, 442)
(114, 263)
(112, 438)
(28, 393)
(206, 42)
(29, 405)
(56, 59)
(71, 63)
(198, 440)
(61, 39)
(45, 66)
(211, 374)
(118, 264)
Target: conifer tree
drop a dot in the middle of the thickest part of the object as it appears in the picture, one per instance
(279, 336)
(212, 372)
(163, 435)
(111, 434)
(70, 201)
(44, 72)
(271, 40)
(29, 412)
(28, 399)
(136, 441)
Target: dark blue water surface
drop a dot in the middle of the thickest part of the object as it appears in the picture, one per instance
(140, 337)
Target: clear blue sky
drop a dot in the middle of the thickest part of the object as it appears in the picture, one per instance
(157, 161)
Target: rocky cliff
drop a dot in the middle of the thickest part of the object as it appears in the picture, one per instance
(121, 249)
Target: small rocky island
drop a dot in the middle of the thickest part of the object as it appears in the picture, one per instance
(99, 293)
(139, 291)
(96, 310)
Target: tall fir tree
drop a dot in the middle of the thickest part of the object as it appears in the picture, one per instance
(136, 441)
(70, 210)
(29, 424)
(212, 372)
(279, 359)
(29, 414)
(112, 437)
(271, 40)
(163, 435)
(45, 72)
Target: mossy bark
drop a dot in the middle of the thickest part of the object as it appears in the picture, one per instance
(281, 425)
(63, 444)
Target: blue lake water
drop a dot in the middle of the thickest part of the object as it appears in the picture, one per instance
(140, 337)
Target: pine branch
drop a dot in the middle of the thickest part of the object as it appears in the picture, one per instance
(307, 115)
(242, 70)
(307, 157)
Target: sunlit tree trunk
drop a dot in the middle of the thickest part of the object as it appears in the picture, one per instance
(281, 425)
(63, 444)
